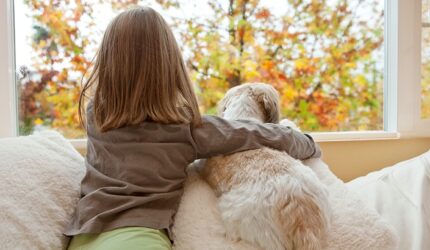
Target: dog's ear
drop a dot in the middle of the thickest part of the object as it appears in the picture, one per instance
(268, 98)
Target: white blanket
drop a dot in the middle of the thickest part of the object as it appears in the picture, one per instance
(401, 195)
(354, 225)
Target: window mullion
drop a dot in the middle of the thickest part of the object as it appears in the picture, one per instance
(390, 69)
(8, 100)
(408, 68)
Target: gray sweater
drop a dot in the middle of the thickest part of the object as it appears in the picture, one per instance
(135, 175)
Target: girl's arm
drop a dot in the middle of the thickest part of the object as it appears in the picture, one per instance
(217, 136)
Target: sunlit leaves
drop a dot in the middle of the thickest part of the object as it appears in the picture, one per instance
(317, 56)
(323, 58)
(49, 93)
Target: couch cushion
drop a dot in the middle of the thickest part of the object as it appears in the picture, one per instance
(39, 186)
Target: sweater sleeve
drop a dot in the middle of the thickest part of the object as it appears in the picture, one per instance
(217, 136)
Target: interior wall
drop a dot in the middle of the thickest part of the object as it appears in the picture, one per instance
(351, 159)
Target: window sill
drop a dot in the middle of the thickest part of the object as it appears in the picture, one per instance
(354, 136)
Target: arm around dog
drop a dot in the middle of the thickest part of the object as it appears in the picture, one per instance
(217, 136)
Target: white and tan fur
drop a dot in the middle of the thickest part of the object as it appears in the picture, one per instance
(266, 197)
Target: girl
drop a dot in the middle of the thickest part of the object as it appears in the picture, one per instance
(144, 128)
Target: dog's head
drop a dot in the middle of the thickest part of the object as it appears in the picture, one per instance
(256, 101)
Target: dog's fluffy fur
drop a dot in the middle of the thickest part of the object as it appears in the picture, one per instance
(265, 196)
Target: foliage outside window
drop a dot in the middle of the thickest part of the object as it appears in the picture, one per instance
(325, 57)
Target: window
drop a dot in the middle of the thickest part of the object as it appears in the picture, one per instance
(324, 57)
(339, 65)
(425, 60)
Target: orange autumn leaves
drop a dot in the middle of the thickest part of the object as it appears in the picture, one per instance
(323, 60)
(58, 66)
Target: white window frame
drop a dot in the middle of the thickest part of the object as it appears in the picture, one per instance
(406, 111)
(401, 77)
(8, 100)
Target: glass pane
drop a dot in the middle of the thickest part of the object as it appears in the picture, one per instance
(324, 57)
(425, 60)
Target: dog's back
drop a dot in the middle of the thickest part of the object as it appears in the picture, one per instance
(270, 199)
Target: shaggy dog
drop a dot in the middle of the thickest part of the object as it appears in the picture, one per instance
(266, 197)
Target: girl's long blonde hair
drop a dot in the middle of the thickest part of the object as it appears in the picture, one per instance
(139, 74)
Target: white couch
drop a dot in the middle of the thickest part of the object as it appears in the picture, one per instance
(39, 187)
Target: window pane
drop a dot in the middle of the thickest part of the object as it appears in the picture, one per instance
(324, 57)
(425, 60)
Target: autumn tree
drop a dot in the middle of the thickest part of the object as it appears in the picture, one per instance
(320, 55)
(50, 88)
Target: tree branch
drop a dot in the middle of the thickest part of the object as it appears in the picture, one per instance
(194, 67)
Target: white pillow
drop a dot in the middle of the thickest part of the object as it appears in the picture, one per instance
(354, 225)
(401, 195)
(39, 186)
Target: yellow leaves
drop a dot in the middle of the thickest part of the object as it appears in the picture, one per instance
(361, 81)
(425, 99)
(212, 83)
(57, 23)
(250, 69)
(42, 43)
(302, 49)
(312, 27)
(341, 113)
(289, 95)
(335, 52)
(350, 65)
(425, 109)
(306, 65)
(38, 121)
(251, 75)
(301, 63)
(64, 106)
(327, 78)
(248, 36)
